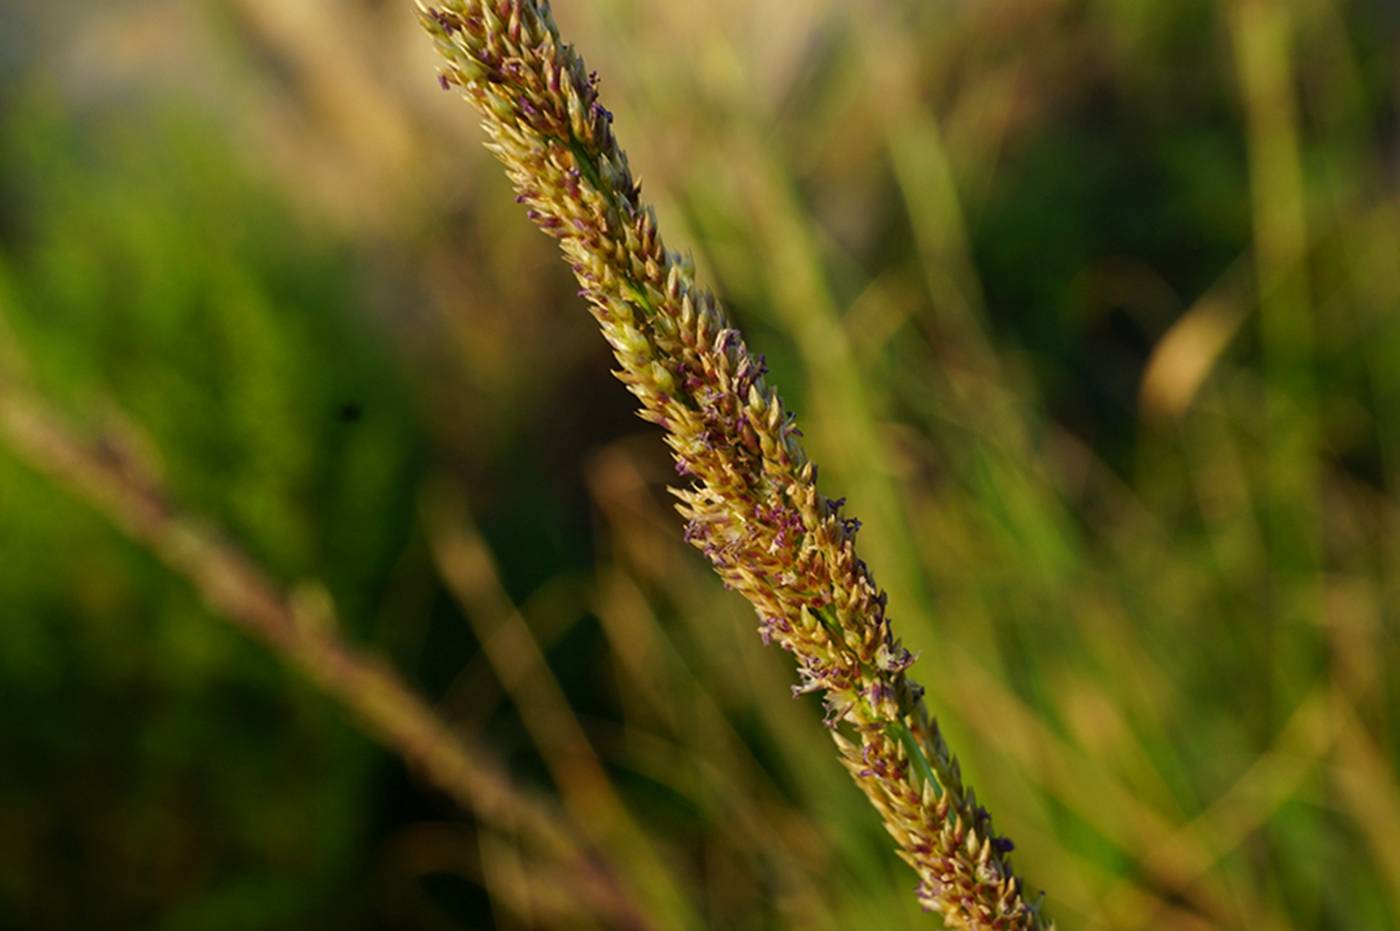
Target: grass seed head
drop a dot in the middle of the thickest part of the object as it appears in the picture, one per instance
(751, 505)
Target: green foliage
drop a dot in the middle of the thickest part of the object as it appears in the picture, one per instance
(188, 781)
(1159, 632)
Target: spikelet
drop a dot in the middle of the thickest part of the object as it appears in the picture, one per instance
(751, 502)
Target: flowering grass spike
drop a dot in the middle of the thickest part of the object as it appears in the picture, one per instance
(752, 505)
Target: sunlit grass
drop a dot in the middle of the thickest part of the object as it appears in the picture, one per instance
(1091, 311)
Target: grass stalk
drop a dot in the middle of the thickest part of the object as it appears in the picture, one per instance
(233, 587)
(1261, 31)
(465, 565)
(752, 504)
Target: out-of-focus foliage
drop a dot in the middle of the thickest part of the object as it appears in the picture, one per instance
(161, 279)
(1091, 308)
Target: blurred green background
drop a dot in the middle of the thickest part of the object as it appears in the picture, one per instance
(1090, 307)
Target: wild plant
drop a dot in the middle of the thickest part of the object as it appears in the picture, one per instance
(751, 500)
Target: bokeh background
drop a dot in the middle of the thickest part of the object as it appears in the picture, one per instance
(1090, 307)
